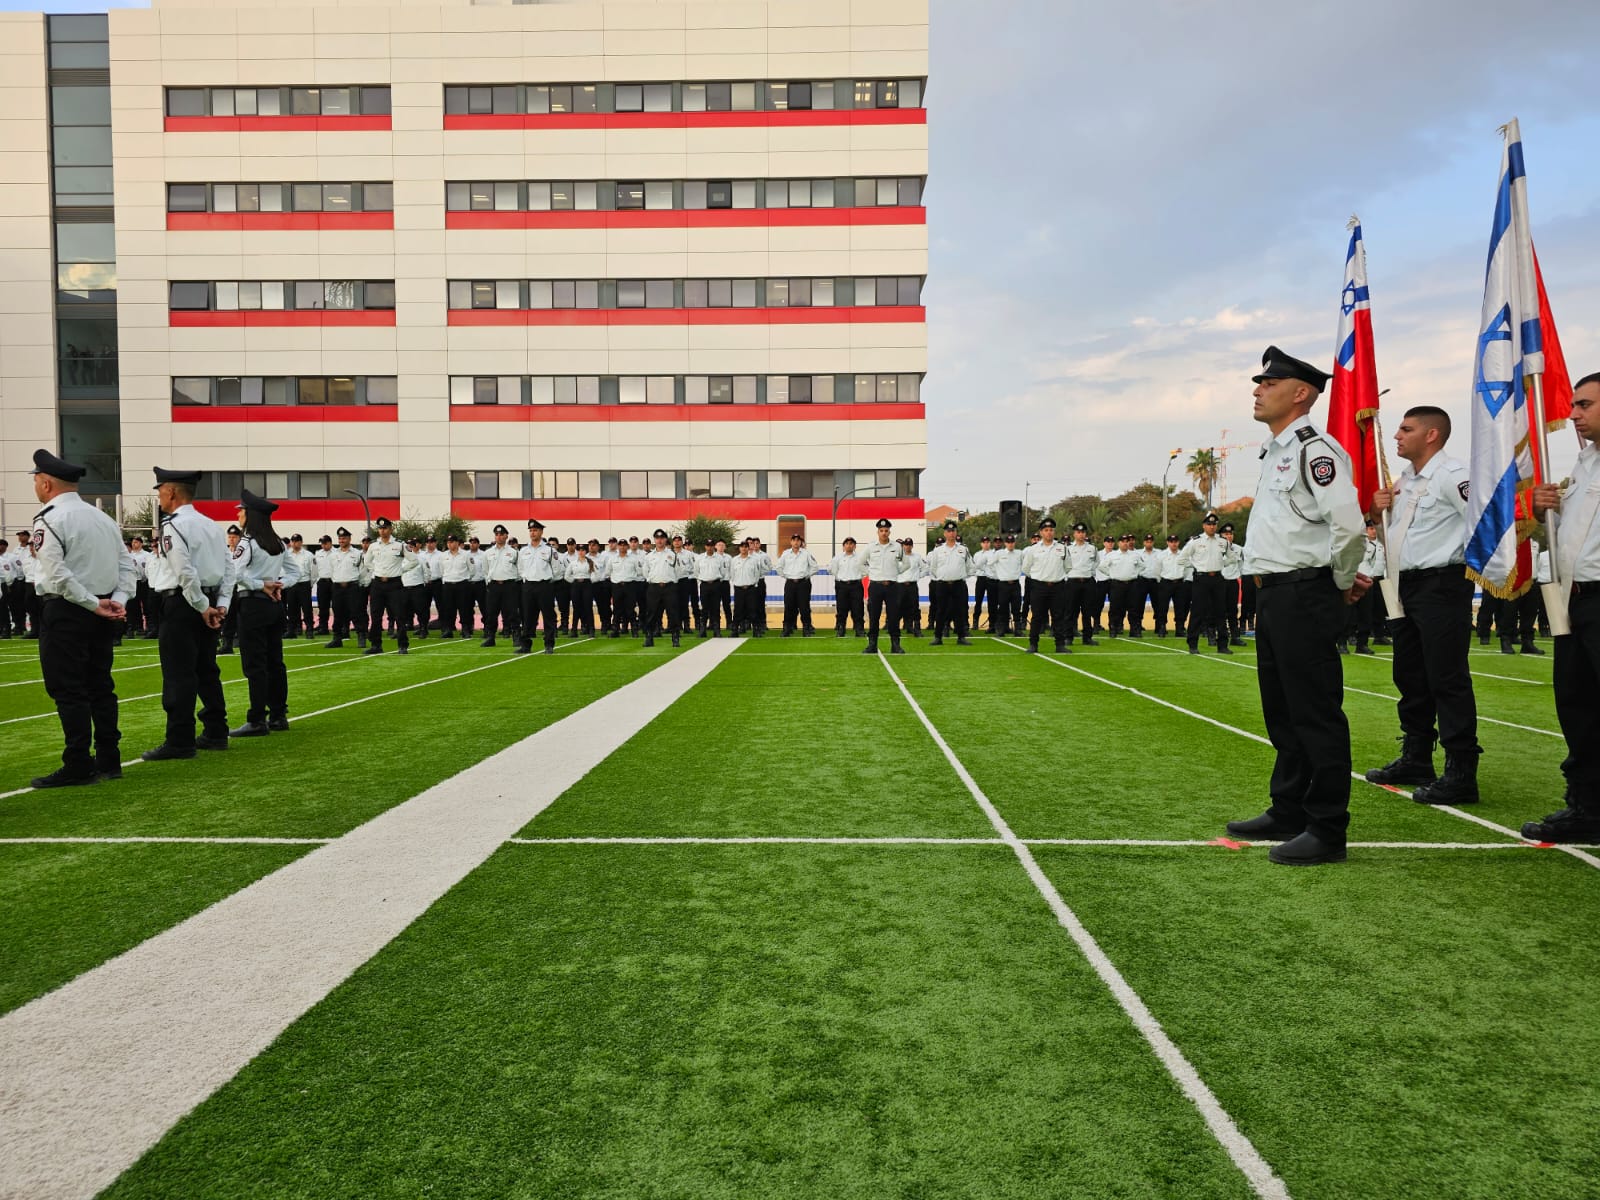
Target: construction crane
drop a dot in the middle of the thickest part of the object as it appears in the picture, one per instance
(1222, 450)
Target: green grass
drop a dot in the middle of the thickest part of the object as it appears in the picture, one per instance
(821, 1021)
(69, 908)
(706, 1023)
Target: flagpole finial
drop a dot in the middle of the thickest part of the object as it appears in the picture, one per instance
(1353, 223)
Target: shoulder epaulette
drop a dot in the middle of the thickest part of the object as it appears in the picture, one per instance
(39, 516)
(1306, 433)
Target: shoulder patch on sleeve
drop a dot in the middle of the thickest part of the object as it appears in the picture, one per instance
(1465, 488)
(1306, 432)
(1323, 470)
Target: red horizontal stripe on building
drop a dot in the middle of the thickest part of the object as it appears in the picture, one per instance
(515, 513)
(258, 318)
(348, 511)
(696, 218)
(692, 413)
(296, 220)
(191, 414)
(264, 124)
(837, 315)
(679, 120)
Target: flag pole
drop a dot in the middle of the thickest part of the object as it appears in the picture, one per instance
(1389, 585)
(1555, 593)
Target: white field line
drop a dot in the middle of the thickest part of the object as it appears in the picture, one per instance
(1256, 737)
(181, 841)
(1256, 1170)
(95, 1073)
(134, 762)
(755, 841)
(1227, 661)
(358, 656)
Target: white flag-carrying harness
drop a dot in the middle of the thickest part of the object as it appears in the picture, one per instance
(1509, 351)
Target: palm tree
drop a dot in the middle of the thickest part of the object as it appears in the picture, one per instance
(1203, 468)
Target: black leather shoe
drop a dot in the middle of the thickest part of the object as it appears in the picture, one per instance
(167, 750)
(1263, 828)
(1415, 764)
(1307, 850)
(487, 643)
(335, 644)
(648, 642)
(522, 650)
(278, 724)
(1571, 826)
(402, 650)
(897, 649)
(65, 778)
(371, 650)
(206, 742)
(1063, 648)
(937, 641)
(869, 649)
(961, 641)
(108, 769)
(1194, 649)
(1033, 649)
(250, 729)
(1224, 648)
(675, 641)
(1368, 650)
(1089, 641)
(1530, 648)
(549, 649)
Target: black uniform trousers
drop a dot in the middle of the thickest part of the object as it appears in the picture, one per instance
(538, 601)
(1229, 624)
(1301, 679)
(1577, 687)
(1205, 613)
(348, 610)
(563, 602)
(389, 596)
(688, 604)
(1050, 600)
(1121, 595)
(796, 604)
(19, 601)
(622, 614)
(909, 594)
(1172, 595)
(982, 589)
(883, 604)
(1077, 607)
(419, 606)
(75, 657)
(1247, 601)
(188, 653)
(455, 605)
(951, 607)
(1005, 612)
(324, 604)
(136, 607)
(727, 604)
(500, 598)
(261, 623)
(297, 607)
(582, 607)
(661, 600)
(435, 589)
(1431, 670)
(849, 599)
(713, 594)
(230, 627)
(748, 608)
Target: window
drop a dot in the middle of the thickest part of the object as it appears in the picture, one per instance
(630, 195)
(189, 296)
(225, 197)
(272, 196)
(886, 389)
(227, 297)
(660, 389)
(252, 390)
(719, 193)
(720, 389)
(777, 389)
(777, 485)
(457, 196)
(777, 293)
(483, 295)
(313, 485)
(383, 389)
(338, 197)
(744, 485)
(663, 485)
(911, 93)
(863, 93)
(744, 389)
(888, 289)
(694, 194)
(507, 197)
(910, 290)
(191, 391)
(82, 145)
(888, 191)
(313, 391)
(909, 388)
(658, 195)
(461, 389)
(697, 485)
(694, 389)
(510, 484)
(658, 293)
(631, 389)
(272, 294)
(305, 101)
(307, 197)
(744, 293)
(310, 293)
(658, 97)
(377, 197)
(908, 192)
(336, 102)
(378, 294)
(341, 390)
(631, 484)
(744, 193)
(375, 102)
(541, 390)
(383, 485)
(799, 390)
(629, 97)
(462, 486)
(777, 194)
(186, 197)
(187, 102)
(630, 293)
(866, 388)
(887, 93)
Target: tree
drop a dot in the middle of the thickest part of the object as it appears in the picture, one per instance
(702, 529)
(412, 526)
(1204, 468)
(444, 526)
(139, 519)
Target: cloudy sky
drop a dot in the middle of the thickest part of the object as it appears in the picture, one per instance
(1127, 205)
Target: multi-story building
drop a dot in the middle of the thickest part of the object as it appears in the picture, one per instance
(607, 264)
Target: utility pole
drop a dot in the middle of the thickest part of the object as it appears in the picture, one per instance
(1171, 458)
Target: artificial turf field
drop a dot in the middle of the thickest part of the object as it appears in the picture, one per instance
(795, 939)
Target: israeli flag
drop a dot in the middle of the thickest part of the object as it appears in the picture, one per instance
(1510, 349)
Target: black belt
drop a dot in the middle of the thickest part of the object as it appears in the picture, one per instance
(1279, 578)
(1429, 572)
(384, 578)
(1585, 588)
(1209, 574)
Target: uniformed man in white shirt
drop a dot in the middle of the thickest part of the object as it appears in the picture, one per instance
(627, 576)
(1172, 590)
(746, 574)
(537, 566)
(230, 620)
(1577, 655)
(432, 588)
(883, 561)
(688, 594)
(949, 567)
(980, 581)
(603, 587)
(913, 569)
(84, 579)
(1078, 586)
(1360, 623)
(1232, 572)
(20, 596)
(711, 572)
(1045, 565)
(1121, 569)
(848, 571)
(1427, 542)
(386, 562)
(139, 600)
(1205, 555)
(297, 597)
(192, 575)
(1305, 551)
(580, 578)
(324, 570)
(502, 588)
(797, 565)
(1005, 571)
(1146, 583)
(661, 590)
(1100, 596)
(264, 570)
(345, 575)
(455, 588)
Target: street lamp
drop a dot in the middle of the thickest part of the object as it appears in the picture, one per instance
(366, 511)
(1171, 458)
(836, 498)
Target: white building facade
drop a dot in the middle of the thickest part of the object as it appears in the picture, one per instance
(609, 265)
